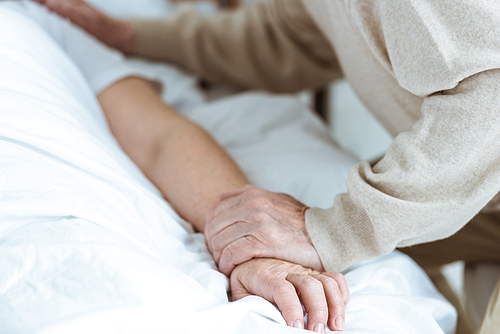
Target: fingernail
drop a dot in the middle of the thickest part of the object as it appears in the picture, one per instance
(339, 322)
(320, 328)
(298, 324)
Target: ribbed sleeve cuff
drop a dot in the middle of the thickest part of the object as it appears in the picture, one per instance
(342, 235)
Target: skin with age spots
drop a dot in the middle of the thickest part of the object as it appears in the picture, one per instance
(243, 226)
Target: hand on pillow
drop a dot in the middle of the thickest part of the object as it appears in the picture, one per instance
(324, 295)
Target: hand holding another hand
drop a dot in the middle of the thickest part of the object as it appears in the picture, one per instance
(254, 223)
(286, 285)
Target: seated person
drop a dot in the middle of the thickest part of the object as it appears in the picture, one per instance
(191, 170)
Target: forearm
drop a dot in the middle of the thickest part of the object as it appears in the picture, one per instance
(433, 180)
(272, 45)
(192, 171)
(182, 160)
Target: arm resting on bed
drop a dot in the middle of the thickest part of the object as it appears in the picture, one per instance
(180, 158)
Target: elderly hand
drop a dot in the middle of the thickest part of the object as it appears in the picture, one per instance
(254, 223)
(118, 34)
(324, 295)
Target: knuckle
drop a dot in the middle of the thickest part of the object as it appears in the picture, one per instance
(241, 248)
(284, 288)
(337, 276)
(259, 217)
(340, 278)
(228, 252)
(338, 305)
(211, 227)
(256, 202)
(226, 265)
(252, 240)
(270, 237)
(214, 244)
(310, 282)
(261, 235)
(313, 288)
(330, 282)
(319, 311)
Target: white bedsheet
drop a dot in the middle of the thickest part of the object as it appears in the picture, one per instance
(87, 244)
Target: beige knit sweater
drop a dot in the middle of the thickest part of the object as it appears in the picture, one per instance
(427, 69)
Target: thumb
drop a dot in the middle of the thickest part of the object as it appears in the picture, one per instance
(238, 290)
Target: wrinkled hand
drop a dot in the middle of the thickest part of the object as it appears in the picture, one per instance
(324, 295)
(116, 33)
(254, 223)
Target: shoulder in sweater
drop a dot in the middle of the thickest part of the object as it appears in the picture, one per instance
(431, 45)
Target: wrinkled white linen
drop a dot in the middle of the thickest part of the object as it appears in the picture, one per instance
(87, 244)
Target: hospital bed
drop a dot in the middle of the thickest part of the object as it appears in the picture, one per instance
(87, 243)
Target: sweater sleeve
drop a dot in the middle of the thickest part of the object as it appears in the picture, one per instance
(273, 45)
(431, 182)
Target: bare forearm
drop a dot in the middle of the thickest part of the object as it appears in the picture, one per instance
(182, 160)
(192, 171)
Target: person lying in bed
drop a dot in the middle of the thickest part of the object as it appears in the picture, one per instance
(191, 170)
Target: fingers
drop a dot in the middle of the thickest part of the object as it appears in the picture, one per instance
(341, 281)
(255, 278)
(248, 195)
(228, 204)
(230, 258)
(221, 216)
(227, 236)
(288, 286)
(322, 299)
(250, 221)
(313, 297)
(288, 302)
(238, 289)
(336, 306)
